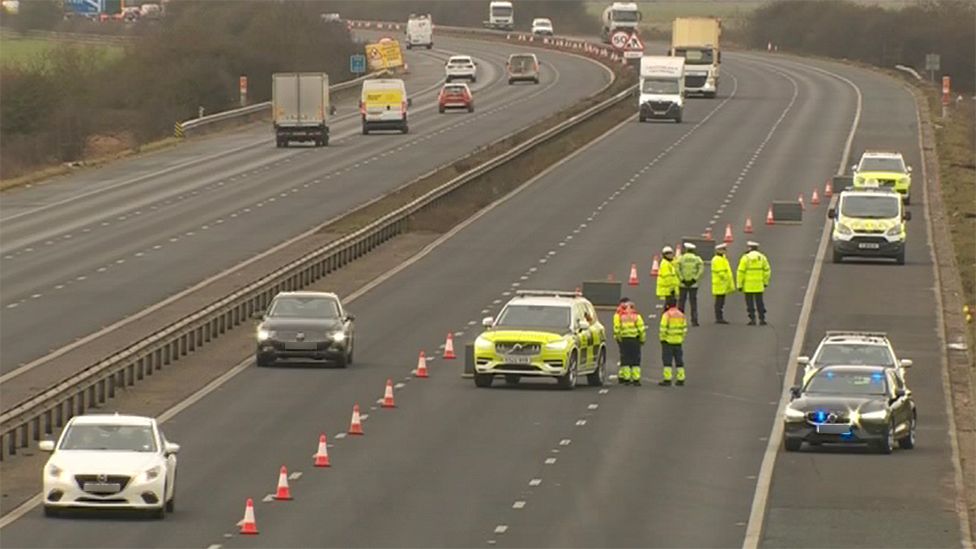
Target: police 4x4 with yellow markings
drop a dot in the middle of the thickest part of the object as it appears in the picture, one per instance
(869, 222)
(543, 334)
(886, 170)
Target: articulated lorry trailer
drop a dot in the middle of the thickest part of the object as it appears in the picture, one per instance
(300, 107)
(697, 40)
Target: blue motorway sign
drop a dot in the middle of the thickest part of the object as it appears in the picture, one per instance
(357, 63)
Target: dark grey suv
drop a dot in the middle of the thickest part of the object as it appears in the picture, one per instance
(305, 326)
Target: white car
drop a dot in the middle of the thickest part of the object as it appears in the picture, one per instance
(110, 462)
(542, 27)
(461, 67)
(851, 348)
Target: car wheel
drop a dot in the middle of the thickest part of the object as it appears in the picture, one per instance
(483, 380)
(908, 442)
(512, 379)
(431, 45)
(568, 380)
(263, 362)
(641, 117)
(325, 141)
(677, 119)
(838, 257)
(599, 377)
(405, 129)
(536, 80)
(887, 443)
(365, 130)
(51, 511)
(470, 108)
(900, 258)
(510, 81)
(908, 199)
(441, 110)
(792, 444)
(349, 356)
(341, 362)
(171, 504)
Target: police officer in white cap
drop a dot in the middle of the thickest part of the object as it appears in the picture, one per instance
(723, 283)
(753, 278)
(690, 270)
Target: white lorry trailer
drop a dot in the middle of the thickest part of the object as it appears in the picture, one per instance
(624, 16)
(696, 39)
(501, 15)
(300, 107)
(662, 87)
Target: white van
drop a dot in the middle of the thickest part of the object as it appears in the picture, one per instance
(420, 31)
(383, 105)
(662, 87)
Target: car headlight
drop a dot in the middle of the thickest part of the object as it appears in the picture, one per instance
(339, 336)
(877, 415)
(904, 180)
(844, 229)
(151, 474)
(894, 231)
(264, 335)
(793, 414)
(483, 344)
(558, 345)
(54, 471)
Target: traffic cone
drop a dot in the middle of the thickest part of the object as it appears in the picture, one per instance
(728, 234)
(283, 493)
(815, 198)
(248, 525)
(800, 200)
(388, 396)
(356, 425)
(655, 265)
(449, 347)
(633, 275)
(708, 234)
(321, 456)
(828, 189)
(421, 370)
(769, 215)
(748, 229)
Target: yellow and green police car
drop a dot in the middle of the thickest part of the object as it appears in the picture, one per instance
(543, 334)
(886, 170)
(869, 222)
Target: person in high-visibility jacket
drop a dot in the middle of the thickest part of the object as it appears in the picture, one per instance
(723, 282)
(753, 278)
(691, 267)
(629, 332)
(672, 335)
(667, 277)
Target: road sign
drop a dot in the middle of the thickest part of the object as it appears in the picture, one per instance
(932, 61)
(634, 43)
(619, 39)
(357, 63)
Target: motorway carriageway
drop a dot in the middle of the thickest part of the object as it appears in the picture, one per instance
(106, 248)
(613, 467)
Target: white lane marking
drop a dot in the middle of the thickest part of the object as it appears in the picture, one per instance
(763, 485)
(501, 529)
(518, 505)
(535, 482)
(295, 475)
(340, 435)
(605, 391)
(580, 422)
(593, 406)
(215, 546)
(268, 498)
(550, 461)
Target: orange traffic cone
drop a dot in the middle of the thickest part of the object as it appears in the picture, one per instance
(388, 395)
(769, 215)
(815, 198)
(248, 525)
(283, 493)
(828, 189)
(800, 200)
(321, 456)
(449, 347)
(728, 234)
(748, 229)
(356, 425)
(633, 275)
(655, 265)
(421, 370)
(708, 234)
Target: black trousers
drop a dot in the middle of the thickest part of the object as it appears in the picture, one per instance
(671, 353)
(689, 294)
(754, 302)
(630, 351)
(720, 307)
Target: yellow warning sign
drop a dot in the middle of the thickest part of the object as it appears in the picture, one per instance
(384, 55)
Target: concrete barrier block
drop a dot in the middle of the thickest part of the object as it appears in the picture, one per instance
(468, 360)
(602, 293)
(841, 182)
(704, 246)
(787, 212)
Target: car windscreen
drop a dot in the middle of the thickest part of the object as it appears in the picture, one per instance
(501, 11)
(665, 87)
(870, 207)
(460, 62)
(542, 23)
(535, 316)
(832, 382)
(854, 355)
(625, 16)
(881, 165)
(695, 57)
(132, 438)
(458, 90)
(304, 307)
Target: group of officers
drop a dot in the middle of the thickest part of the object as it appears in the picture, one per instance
(677, 286)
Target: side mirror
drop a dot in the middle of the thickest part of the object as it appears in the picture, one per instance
(803, 360)
(853, 167)
(907, 216)
(583, 325)
(909, 169)
(350, 318)
(171, 448)
(794, 392)
(46, 445)
(831, 213)
(905, 363)
(487, 321)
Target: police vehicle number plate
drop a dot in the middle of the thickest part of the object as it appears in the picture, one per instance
(102, 487)
(833, 428)
(300, 346)
(869, 245)
(516, 359)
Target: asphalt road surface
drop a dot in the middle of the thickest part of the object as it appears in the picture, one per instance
(107, 243)
(620, 467)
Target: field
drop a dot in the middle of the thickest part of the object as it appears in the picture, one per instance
(21, 51)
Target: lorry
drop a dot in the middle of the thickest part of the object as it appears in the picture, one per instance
(625, 16)
(300, 107)
(92, 9)
(501, 15)
(662, 87)
(420, 31)
(696, 39)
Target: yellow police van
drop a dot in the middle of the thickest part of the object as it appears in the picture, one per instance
(869, 222)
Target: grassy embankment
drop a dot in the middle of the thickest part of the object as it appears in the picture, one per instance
(20, 51)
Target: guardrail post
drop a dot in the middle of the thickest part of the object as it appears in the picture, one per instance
(24, 434)
(81, 403)
(48, 422)
(112, 381)
(12, 442)
(102, 390)
(36, 427)
(91, 397)
(59, 414)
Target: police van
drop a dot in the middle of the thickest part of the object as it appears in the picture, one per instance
(420, 31)
(869, 222)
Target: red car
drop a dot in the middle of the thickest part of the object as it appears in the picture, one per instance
(455, 96)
